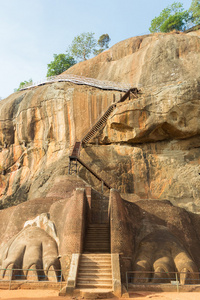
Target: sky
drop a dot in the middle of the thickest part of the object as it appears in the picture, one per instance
(31, 31)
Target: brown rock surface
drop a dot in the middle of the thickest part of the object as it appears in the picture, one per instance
(153, 140)
(150, 235)
(149, 149)
(38, 127)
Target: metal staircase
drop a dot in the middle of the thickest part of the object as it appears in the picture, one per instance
(74, 158)
(98, 125)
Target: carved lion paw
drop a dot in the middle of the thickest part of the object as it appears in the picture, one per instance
(161, 258)
(32, 254)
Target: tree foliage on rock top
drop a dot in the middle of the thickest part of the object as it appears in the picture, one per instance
(173, 17)
(83, 46)
(23, 84)
(103, 42)
(195, 11)
(61, 63)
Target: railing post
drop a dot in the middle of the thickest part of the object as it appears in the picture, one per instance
(102, 184)
(11, 273)
(60, 279)
(177, 282)
(127, 281)
(69, 167)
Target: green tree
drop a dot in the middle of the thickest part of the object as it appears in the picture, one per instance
(23, 84)
(173, 17)
(103, 42)
(83, 46)
(195, 11)
(61, 63)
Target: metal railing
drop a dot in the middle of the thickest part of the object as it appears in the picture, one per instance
(168, 278)
(102, 84)
(31, 276)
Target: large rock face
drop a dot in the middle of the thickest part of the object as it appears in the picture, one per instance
(150, 145)
(149, 150)
(37, 130)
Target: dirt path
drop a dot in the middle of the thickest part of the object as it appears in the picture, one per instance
(53, 295)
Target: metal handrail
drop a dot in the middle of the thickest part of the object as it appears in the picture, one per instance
(102, 84)
(173, 278)
(17, 275)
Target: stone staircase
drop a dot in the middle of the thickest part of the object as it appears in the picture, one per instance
(97, 239)
(94, 272)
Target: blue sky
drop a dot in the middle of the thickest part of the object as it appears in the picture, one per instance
(31, 31)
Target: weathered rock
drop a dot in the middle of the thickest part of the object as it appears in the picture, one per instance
(149, 150)
(150, 235)
(151, 60)
(37, 130)
(150, 145)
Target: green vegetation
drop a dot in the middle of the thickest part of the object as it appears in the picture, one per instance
(195, 11)
(61, 63)
(173, 17)
(23, 84)
(103, 42)
(83, 46)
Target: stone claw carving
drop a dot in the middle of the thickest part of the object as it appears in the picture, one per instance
(162, 253)
(31, 250)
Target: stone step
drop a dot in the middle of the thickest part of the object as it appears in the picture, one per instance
(96, 293)
(95, 265)
(94, 230)
(98, 247)
(103, 230)
(96, 255)
(98, 233)
(82, 285)
(98, 228)
(95, 271)
(97, 259)
(94, 275)
(97, 243)
(94, 281)
(102, 225)
(98, 237)
(96, 250)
